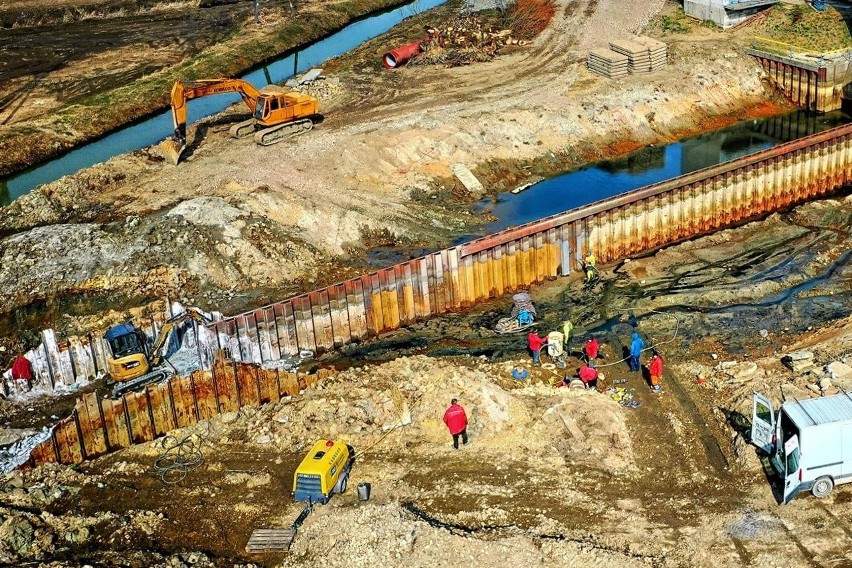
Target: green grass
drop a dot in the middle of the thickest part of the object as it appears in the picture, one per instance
(803, 27)
(672, 25)
(95, 115)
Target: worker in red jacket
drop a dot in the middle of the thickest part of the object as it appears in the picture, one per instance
(655, 369)
(589, 376)
(536, 342)
(456, 420)
(592, 347)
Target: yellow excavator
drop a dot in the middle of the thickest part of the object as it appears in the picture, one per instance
(131, 363)
(276, 114)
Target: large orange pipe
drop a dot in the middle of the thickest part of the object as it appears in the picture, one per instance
(401, 55)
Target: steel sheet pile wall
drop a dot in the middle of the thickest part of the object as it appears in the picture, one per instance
(97, 426)
(458, 277)
(59, 364)
(811, 82)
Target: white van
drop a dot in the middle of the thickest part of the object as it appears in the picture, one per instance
(809, 441)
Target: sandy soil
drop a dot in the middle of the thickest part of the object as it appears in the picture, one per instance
(74, 71)
(551, 477)
(375, 172)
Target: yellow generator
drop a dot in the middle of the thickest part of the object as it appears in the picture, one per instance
(323, 472)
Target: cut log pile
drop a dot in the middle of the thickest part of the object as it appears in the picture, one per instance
(462, 41)
(637, 55)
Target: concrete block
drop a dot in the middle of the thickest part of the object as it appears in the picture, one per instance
(469, 181)
(310, 76)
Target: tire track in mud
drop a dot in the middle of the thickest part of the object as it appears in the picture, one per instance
(806, 553)
(715, 456)
(544, 54)
(840, 522)
(585, 542)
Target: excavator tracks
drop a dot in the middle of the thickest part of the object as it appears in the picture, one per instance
(242, 129)
(158, 376)
(276, 134)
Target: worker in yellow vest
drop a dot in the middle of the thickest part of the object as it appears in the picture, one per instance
(589, 266)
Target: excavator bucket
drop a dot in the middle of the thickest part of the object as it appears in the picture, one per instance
(172, 150)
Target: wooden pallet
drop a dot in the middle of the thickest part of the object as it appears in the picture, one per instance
(270, 540)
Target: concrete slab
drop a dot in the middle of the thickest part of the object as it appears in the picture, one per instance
(310, 76)
(469, 181)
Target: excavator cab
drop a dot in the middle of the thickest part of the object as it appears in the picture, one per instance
(264, 107)
(128, 352)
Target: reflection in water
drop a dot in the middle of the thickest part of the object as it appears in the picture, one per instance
(647, 158)
(647, 166)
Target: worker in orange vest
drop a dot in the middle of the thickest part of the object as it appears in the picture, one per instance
(655, 368)
(592, 346)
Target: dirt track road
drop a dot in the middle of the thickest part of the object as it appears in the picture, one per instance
(375, 172)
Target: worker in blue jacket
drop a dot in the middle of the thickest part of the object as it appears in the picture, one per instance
(636, 347)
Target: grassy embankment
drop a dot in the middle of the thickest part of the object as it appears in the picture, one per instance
(30, 143)
(804, 28)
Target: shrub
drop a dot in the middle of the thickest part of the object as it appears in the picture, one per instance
(528, 18)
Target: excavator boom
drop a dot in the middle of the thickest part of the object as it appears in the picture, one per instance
(184, 91)
(276, 114)
(165, 331)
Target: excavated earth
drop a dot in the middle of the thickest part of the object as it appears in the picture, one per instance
(551, 476)
(236, 225)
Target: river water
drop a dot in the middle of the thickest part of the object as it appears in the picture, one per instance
(156, 128)
(647, 166)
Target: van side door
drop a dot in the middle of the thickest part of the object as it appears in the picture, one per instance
(762, 422)
(846, 450)
(792, 468)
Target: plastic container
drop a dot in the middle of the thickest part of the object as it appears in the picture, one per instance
(364, 491)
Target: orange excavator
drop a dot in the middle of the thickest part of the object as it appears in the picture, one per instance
(276, 114)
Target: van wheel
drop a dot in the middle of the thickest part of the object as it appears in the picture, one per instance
(822, 487)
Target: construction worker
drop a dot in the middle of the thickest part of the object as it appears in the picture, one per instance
(589, 267)
(636, 347)
(456, 420)
(589, 376)
(536, 342)
(567, 331)
(591, 349)
(555, 349)
(655, 369)
(22, 374)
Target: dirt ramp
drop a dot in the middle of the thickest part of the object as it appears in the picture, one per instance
(403, 402)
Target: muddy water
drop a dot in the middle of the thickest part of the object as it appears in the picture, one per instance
(159, 127)
(646, 166)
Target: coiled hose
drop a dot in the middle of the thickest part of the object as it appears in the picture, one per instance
(179, 458)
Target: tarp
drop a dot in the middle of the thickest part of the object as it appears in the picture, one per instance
(21, 369)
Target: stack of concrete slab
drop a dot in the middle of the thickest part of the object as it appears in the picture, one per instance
(608, 63)
(638, 56)
(656, 49)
